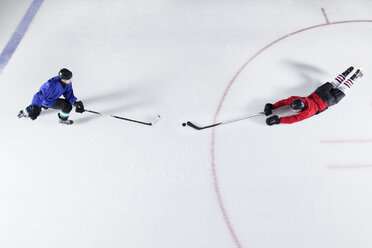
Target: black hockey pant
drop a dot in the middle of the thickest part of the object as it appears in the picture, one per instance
(329, 94)
(62, 104)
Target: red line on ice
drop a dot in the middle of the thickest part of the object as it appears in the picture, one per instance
(213, 163)
(325, 16)
(361, 166)
(346, 141)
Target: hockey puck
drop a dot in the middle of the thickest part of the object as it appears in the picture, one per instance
(184, 124)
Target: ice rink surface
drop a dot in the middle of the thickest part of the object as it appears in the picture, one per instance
(109, 183)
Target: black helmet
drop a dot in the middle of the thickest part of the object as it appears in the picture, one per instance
(65, 74)
(298, 104)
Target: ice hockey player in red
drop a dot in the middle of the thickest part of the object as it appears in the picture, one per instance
(325, 96)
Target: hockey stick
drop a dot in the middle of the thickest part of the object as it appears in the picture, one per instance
(125, 119)
(190, 124)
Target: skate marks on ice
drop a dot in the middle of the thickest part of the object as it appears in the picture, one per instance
(221, 203)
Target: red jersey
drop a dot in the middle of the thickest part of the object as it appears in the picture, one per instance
(313, 105)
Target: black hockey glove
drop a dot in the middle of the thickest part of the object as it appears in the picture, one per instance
(268, 109)
(33, 111)
(273, 120)
(79, 107)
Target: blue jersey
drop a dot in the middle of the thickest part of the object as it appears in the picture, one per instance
(50, 91)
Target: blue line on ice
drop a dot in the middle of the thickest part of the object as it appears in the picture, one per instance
(18, 34)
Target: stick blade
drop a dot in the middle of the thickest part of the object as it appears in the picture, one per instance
(190, 124)
(157, 118)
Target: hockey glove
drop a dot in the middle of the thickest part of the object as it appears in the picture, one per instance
(268, 109)
(272, 120)
(33, 111)
(79, 107)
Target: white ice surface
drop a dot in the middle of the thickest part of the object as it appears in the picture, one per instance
(108, 183)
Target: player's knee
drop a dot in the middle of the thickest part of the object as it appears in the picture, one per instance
(67, 107)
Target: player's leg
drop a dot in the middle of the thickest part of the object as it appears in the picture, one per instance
(340, 92)
(346, 86)
(65, 108)
(31, 111)
(340, 78)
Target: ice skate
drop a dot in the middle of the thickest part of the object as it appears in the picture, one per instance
(65, 121)
(21, 114)
(357, 74)
(347, 72)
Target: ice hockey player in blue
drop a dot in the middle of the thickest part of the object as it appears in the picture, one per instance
(49, 97)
